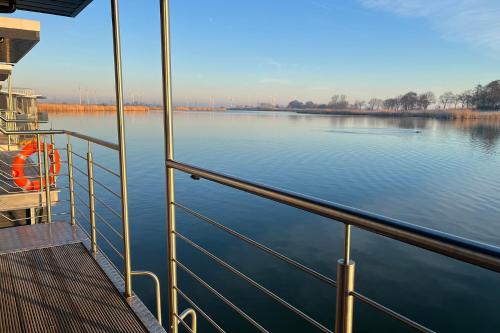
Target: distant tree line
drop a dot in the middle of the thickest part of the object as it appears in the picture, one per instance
(336, 102)
(481, 98)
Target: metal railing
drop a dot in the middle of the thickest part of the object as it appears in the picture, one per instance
(464, 250)
(91, 200)
(11, 130)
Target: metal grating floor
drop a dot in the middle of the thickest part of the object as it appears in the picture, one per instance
(60, 289)
(29, 237)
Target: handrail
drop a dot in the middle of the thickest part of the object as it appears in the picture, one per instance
(194, 318)
(100, 142)
(157, 293)
(473, 252)
(23, 121)
(31, 132)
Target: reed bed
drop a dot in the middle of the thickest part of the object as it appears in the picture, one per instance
(181, 108)
(83, 108)
(439, 114)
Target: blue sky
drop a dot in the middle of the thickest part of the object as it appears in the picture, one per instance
(244, 52)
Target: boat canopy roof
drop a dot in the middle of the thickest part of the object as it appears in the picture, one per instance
(17, 38)
(69, 8)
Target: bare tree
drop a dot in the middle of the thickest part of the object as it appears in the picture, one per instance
(465, 98)
(338, 102)
(310, 105)
(358, 104)
(409, 100)
(375, 103)
(426, 99)
(446, 98)
(390, 103)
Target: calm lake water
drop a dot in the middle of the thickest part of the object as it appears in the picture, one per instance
(439, 174)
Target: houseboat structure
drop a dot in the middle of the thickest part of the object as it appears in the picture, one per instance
(55, 275)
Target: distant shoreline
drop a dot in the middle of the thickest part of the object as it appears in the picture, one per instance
(449, 114)
(437, 114)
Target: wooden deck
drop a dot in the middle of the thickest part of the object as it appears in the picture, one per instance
(49, 282)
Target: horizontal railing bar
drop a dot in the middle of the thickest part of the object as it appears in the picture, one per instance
(221, 297)
(12, 186)
(80, 171)
(254, 283)
(77, 183)
(15, 220)
(106, 188)
(108, 207)
(100, 142)
(105, 169)
(27, 177)
(79, 156)
(82, 214)
(108, 224)
(34, 164)
(473, 252)
(110, 244)
(258, 245)
(83, 202)
(23, 121)
(17, 190)
(199, 310)
(391, 313)
(82, 229)
(32, 132)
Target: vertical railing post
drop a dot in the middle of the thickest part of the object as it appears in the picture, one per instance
(127, 267)
(169, 155)
(10, 107)
(69, 151)
(40, 177)
(90, 173)
(53, 153)
(47, 182)
(345, 286)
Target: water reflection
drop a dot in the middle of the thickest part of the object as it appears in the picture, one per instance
(446, 177)
(483, 133)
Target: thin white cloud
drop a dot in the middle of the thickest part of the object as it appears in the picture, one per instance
(272, 62)
(475, 22)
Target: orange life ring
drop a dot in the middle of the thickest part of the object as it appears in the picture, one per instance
(20, 160)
